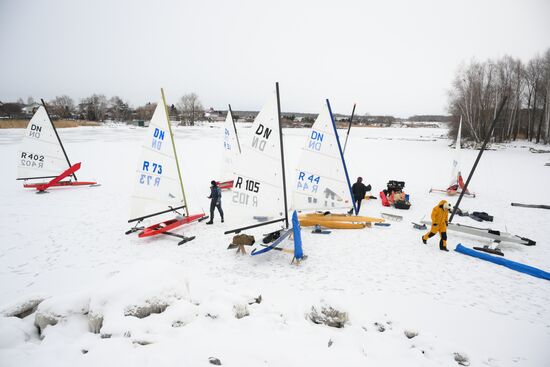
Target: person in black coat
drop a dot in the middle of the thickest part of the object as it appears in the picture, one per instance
(215, 201)
(358, 190)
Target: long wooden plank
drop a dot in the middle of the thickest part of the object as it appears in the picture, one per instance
(343, 218)
(312, 221)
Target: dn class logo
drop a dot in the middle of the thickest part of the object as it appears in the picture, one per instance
(35, 131)
(158, 138)
(261, 137)
(315, 140)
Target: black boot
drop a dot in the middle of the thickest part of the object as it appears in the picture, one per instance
(209, 222)
(222, 220)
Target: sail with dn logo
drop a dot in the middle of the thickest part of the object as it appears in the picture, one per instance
(258, 194)
(231, 151)
(43, 157)
(456, 182)
(158, 188)
(321, 178)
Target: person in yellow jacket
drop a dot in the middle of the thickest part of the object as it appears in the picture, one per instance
(440, 219)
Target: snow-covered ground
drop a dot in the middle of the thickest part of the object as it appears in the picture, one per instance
(68, 247)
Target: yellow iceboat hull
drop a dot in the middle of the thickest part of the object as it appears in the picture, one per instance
(342, 218)
(313, 221)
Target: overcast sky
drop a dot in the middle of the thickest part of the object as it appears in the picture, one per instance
(390, 57)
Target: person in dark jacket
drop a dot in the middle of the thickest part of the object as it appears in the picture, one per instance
(215, 201)
(358, 190)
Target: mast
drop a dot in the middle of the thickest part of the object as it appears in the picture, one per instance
(349, 127)
(282, 150)
(457, 144)
(175, 153)
(235, 128)
(58, 139)
(489, 134)
(342, 156)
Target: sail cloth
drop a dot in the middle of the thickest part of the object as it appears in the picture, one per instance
(157, 185)
(257, 194)
(40, 153)
(231, 148)
(455, 170)
(457, 182)
(321, 180)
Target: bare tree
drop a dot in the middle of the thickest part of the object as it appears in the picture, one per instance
(145, 112)
(11, 110)
(547, 95)
(94, 107)
(479, 87)
(62, 106)
(191, 108)
(533, 79)
(118, 109)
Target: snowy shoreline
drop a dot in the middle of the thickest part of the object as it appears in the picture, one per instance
(69, 248)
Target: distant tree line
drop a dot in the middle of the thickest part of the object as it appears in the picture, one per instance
(479, 87)
(98, 108)
(430, 118)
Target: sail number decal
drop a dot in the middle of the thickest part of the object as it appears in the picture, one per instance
(35, 131)
(259, 141)
(315, 140)
(226, 140)
(150, 173)
(158, 138)
(309, 183)
(32, 160)
(246, 198)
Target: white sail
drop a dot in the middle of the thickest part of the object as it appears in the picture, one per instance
(40, 154)
(321, 182)
(157, 184)
(455, 171)
(231, 148)
(258, 193)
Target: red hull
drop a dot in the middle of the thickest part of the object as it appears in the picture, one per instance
(226, 185)
(168, 225)
(58, 181)
(61, 183)
(384, 199)
(453, 192)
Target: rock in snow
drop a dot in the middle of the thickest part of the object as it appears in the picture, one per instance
(23, 308)
(328, 316)
(461, 359)
(410, 333)
(241, 310)
(214, 361)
